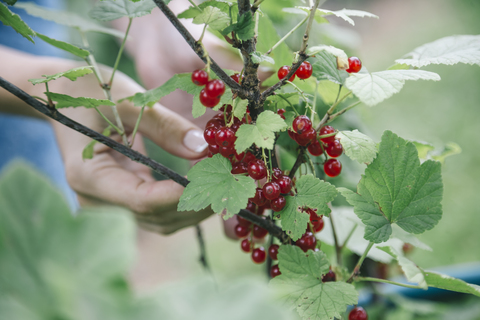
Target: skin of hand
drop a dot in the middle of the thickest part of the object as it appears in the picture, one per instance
(111, 178)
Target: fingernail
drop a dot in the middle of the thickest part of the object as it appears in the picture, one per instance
(195, 141)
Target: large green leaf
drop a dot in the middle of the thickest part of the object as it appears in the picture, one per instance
(107, 10)
(13, 20)
(192, 12)
(71, 74)
(312, 193)
(214, 17)
(324, 66)
(300, 285)
(65, 101)
(244, 28)
(397, 189)
(212, 183)
(79, 52)
(443, 281)
(358, 146)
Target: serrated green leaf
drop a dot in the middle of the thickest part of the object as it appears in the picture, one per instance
(300, 285)
(345, 14)
(397, 189)
(257, 57)
(442, 281)
(67, 18)
(358, 146)
(373, 88)
(66, 101)
(79, 52)
(413, 273)
(450, 149)
(448, 50)
(240, 108)
(312, 193)
(324, 66)
(87, 152)
(71, 74)
(214, 17)
(107, 10)
(262, 133)
(244, 28)
(212, 183)
(192, 12)
(13, 20)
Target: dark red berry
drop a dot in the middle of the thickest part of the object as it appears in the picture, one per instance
(214, 149)
(277, 173)
(241, 231)
(259, 255)
(301, 124)
(330, 276)
(257, 169)
(209, 135)
(354, 65)
(280, 112)
(228, 106)
(327, 130)
(307, 241)
(315, 148)
(227, 152)
(307, 137)
(225, 137)
(285, 183)
(318, 225)
(275, 271)
(248, 157)
(271, 190)
(215, 88)
(200, 77)
(304, 71)
(259, 232)
(259, 199)
(278, 204)
(251, 207)
(334, 149)
(246, 245)
(358, 313)
(208, 101)
(283, 71)
(214, 123)
(261, 210)
(273, 251)
(332, 167)
(221, 117)
(243, 222)
(239, 168)
(236, 77)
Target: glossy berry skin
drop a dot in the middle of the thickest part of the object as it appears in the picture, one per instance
(271, 190)
(257, 169)
(215, 88)
(208, 101)
(332, 167)
(241, 231)
(330, 276)
(200, 77)
(275, 271)
(248, 157)
(304, 71)
(318, 225)
(209, 135)
(273, 251)
(315, 148)
(246, 245)
(307, 137)
(259, 255)
(327, 130)
(225, 137)
(307, 241)
(278, 204)
(334, 149)
(285, 183)
(280, 112)
(276, 173)
(259, 232)
(354, 65)
(283, 71)
(239, 168)
(301, 124)
(358, 313)
(243, 222)
(214, 149)
(227, 152)
(214, 123)
(259, 199)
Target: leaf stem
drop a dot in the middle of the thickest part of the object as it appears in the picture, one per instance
(107, 120)
(195, 5)
(289, 33)
(120, 52)
(389, 282)
(256, 4)
(136, 126)
(331, 109)
(356, 270)
(339, 113)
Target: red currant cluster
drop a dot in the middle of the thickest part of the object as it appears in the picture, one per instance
(213, 91)
(303, 72)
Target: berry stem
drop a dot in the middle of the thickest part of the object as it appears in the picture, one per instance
(195, 5)
(309, 26)
(120, 51)
(300, 91)
(388, 281)
(327, 115)
(136, 126)
(356, 270)
(289, 33)
(254, 8)
(339, 113)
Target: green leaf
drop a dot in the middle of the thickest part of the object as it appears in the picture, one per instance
(67, 19)
(373, 88)
(107, 10)
(328, 90)
(262, 133)
(448, 50)
(413, 273)
(358, 146)
(214, 17)
(450, 149)
(397, 189)
(82, 53)
(192, 12)
(267, 37)
(244, 28)
(240, 108)
(300, 285)
(65, 101)
(10, 2)
(87, 152)
(423, 148)
(442, 281)
(399, 66)
(13, 20)
(324, 66)
(211, 183)
(257, 57)
(312, 193)
(71, 74)
(345, 14)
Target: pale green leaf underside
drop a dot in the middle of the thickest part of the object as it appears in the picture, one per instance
(71, 74)
(330, 49)
(192, 12)
(211, 183)
(257, 57)
(79, 52)
(448, 50)
(357, 146)
(324, 66)
(13, 20)
(108, 10)
(345, 14)
(373, 88)
(442, 281)
(397, 189)
(214, 17)
(65, 101)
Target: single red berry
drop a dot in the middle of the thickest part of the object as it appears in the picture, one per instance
(358, 313)
(271, 190)
(277, 173)
(243, 222)
(327, 130)
(227, 152)
(315, 148)
(259, 232)
(239, 168)
(241, 231)
(251, 207)
(273, 251)
(304, 71)
(354, 65)
(235, 126)
(301, 124)
(329, 276)
(334, 149)
(208, 101)
(215, 88)
(283, 71)
(236, 77)
(214, 123)
(248, 157)
(246, 245)
(285, 183)
(280, 112)
(275, 271)
(332, 167)
(293, 135)
(307, 137)
(307, 241)
(278, 204)
(318, 225)
(209, 154)
(228, 106)
(200, 77)
(225, 137)
(259, 198)
(220, 116)
(214, 149)
(209, 135)
(257, 169)
(259, 255)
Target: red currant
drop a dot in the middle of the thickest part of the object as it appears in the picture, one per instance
(307, 241)
(259, 232)
(214, 149)
(248, 157)
(208, 101)
(278, 204)
(354, 65)
(257, 169)
(358, 313)
(225, 137)
(330, 276)
(318, 225)
(275, 271)
(259, 199)
(334, 149)
(273, 251)
(327, 130)
(315, 148)
(259, 255)
(209, 135)
(241, 231)
(246, 245)
(280, 112)
(243, 222)
(283, 71)
(239, 168)
(227, 152)
(307, 137)
(277, 173)
(285, 183)
(200, 77)
(251, 207)
(229, 108)
(215, 88)
(301, 124)
(304, 71)
(236, 77)
(271, 190)
(332, 167)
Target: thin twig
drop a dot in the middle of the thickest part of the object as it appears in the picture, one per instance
(309, 26)
(289, 33)
(203, 253)
(339, 113)
(293, 69)
(356, 270)
(298, 162)
(120, 51)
